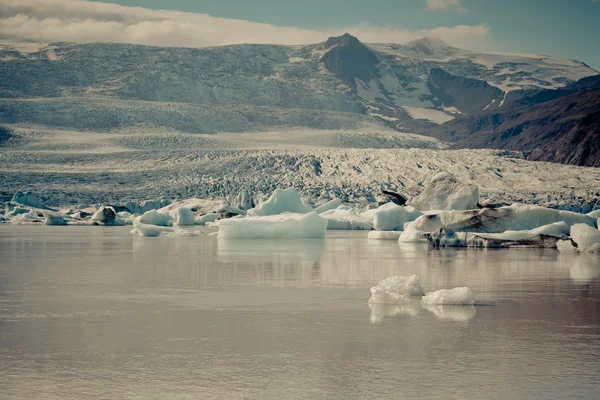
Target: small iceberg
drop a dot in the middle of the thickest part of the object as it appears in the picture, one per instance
(458, 296)
(282, 226)
(396, 290)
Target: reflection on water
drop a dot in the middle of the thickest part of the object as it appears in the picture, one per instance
(97, 313)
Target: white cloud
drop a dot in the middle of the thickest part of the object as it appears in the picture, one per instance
(83, 22)
(436, 5)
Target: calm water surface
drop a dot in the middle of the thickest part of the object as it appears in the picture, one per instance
(92, 312)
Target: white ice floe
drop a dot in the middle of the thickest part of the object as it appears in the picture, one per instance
(457, 296)
(545, 236)
(384, 235)
(444, 192)
(105, 215)
(585, 237)
(183, 217)
(282, 226)
(518, 217)
(340, 219)
(206, 218)
(330, 205)
(412, 235)
(154, 217)
(594, 214)
(282, 201)
(53, 219)
(396, 290)
(392, 217)
(141, 229)
(124, 218)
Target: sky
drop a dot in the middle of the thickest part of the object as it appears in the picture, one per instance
(560, 28)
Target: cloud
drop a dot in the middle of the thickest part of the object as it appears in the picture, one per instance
(84, 22)
(437, 5)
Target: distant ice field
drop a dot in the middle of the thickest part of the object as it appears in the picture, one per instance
(70, 167)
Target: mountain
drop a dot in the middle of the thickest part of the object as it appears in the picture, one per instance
(565, 129)
(341, 83)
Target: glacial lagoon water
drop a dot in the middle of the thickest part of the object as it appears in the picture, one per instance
(95, 313)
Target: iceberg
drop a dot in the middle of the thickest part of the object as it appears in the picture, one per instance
(282, 226)
(392, 217)
(330, 205)
(545, 236)
(53, 219)
(517, 217)
(396, 290)
(339, 219)
(444, 192)
(154, 217)
(584, 239)
(282, 201)
(105, 215)
(457, 296)
(210, 217)
(412, 235)
(183, 217)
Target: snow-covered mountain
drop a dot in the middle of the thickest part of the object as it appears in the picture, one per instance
(408, 87)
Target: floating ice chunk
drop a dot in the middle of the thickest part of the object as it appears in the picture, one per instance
(452, 312)
(517, 217)
(154, 217)
(28, 217)
(183, 217)
(392, 217)
(412, 235)
(202, 206)
(345, 220)
(396, 290)
(142, 229)
(105, 215)
(566, 246)
(384, 235)
(29, 199)
(282, 226)
(124, 218)
(52, 219)
(444, 192)
(545, 236)
(204, 219)
(586, 238)
(330, 205)
(457, 296)
(282, 201)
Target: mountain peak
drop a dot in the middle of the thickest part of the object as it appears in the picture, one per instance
(344, 40)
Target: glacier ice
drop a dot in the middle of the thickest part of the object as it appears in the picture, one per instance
(53, 219)
(517, 217)
(183, 217)
(154, 217)
(282, 201)
(330, 205)
(543, 236)
(105, 215)
(340, 219)
(396, 290)
(585, 237)
(28, 199)
(392, 217)
(210, 217)
(444, 192)
(280, 226)
(457, 296)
